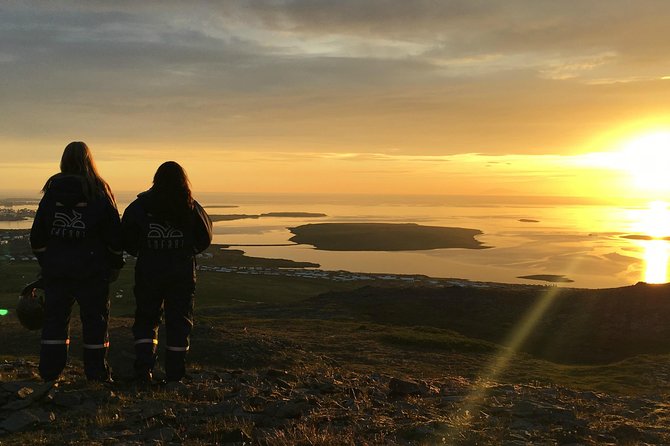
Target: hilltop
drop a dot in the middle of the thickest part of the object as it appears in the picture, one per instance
(302, 359)
(271, 376)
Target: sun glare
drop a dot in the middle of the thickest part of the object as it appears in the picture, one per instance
(647, 159)
(656, 257)
(654, 222)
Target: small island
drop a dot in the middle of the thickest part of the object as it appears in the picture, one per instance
(528, 220)
(230, 217)
(384, 237)
(553, 278)
(643, 237)
(294, 214)
(221, 255)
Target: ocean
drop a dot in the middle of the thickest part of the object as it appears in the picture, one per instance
(595, 245)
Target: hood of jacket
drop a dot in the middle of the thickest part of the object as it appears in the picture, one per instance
(67, 189)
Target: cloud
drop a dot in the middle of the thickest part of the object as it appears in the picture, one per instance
(421, 77)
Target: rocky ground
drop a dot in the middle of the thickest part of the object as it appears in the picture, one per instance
(324, 404)
(368, 367)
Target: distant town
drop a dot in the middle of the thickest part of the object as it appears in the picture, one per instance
(11, 214)
(15, 247)
(343, 276)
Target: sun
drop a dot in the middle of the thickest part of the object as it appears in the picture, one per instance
(647, 159)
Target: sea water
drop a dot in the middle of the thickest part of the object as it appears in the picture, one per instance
(593, 244)
(586, 242)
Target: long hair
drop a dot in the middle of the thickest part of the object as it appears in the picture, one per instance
(78, 160)
(172, 199)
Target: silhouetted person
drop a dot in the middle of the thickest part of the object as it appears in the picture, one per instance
(165, 228)
(76, 236)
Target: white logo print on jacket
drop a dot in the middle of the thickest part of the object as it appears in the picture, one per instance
(69, 225)
(164, 237)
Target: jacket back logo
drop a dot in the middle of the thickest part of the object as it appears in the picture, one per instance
(68, 225)
(164, 237)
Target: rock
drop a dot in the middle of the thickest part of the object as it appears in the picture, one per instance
(626, 433)
(24, 392)
(503, 389)
(151, 409)
(13, 386)
(67, 399)
(323, 387)
(288, 409)
(400, 387)
(44, 416)
(522, 425)
(550, 413)
(422, 434)
(20, 421)
(176, 387)
(17, 405)
(589, 396)
(222, 408)
(452, 399)
(233, 436)
(41, 390)
(605, 438)
(27, 374)
(27, 394)
(163, 434)
(274, 373)
(283, 384)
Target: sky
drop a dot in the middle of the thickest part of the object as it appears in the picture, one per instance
(356, 96)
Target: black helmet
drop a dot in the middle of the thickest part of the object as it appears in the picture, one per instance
(30, 309)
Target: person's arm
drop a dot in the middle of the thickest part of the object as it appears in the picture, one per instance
(130, 231)
(111, 235)
(202, 228)
(40, 231)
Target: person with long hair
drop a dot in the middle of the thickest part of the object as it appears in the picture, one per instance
(164, 228)
(76, 237)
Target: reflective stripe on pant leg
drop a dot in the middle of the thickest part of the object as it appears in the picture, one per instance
(96, 346)
(178, 324)
(53, 357)
(178, 349)
(65, 342)
(148, 313)
(146, 352)
(93, 297)
(58, 301)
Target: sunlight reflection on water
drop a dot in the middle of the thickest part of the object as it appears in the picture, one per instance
(655, 222)
(656, 255)
(586, 243)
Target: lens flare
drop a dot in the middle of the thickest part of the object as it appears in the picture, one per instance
(470, 407)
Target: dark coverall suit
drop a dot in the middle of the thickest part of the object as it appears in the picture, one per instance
(77, 243)
(164, 279)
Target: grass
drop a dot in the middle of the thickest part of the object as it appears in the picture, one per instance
(636, 375)
(280, 311)
(246, 325)
(433, 338)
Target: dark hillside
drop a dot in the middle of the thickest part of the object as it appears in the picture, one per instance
(578, 326)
